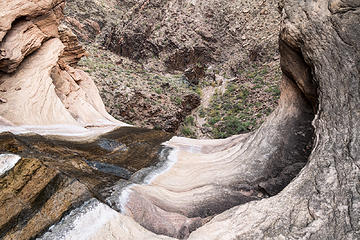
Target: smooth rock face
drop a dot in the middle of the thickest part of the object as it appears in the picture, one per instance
(323, 201)
(37, 100)
(238, 170)
(50, 95)
(95, 220)
(126, 185)
(171, 196)
(42, 89)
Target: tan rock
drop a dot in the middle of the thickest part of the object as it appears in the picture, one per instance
(25, 37)
(27, 187)
(73, 51)
(15, 9)
(52, 96)
(80, 96)
(38, 102)
(4, 122)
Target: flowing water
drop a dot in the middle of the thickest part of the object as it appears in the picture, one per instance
(51, 187)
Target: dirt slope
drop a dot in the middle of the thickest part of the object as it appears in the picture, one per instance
(196, 47)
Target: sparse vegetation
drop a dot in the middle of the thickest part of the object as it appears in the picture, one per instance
(118, 84)
(243, 104)
(187, 132)
(239, 107)
(189, 120)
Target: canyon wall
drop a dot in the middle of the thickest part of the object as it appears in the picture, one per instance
(38, 84)
(296, 177)
(154, 60)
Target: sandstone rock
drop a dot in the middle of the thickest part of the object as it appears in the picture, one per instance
(38, 101)
(49, 95)
(236, 171)
(24, 38)
(324, 35)
(83, 104)
(4, 122)
(73, 51)
(80, 96)
(12, 10)
(85, 225)
(242, 187)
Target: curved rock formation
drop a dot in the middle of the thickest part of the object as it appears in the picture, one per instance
(237, 170)
(125, 184)
(25, 25)
(323, 201)
(41, 88)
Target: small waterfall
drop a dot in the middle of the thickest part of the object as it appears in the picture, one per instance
(7, 162)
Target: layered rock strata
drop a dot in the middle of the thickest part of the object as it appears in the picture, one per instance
(125, 185)
(38, 85)
(42, 178)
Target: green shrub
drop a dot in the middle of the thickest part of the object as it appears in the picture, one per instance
(187, 132)
(214, 120)
(158, 90)
(189, 120)
(231, 126)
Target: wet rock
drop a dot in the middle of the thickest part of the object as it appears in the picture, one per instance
(53, 175)
(31, 191)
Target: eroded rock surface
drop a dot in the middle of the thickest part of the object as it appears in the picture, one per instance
(206, 45)
(25, 26)
(43, 178)
(41, 88)
(323, 201)
(273, 183)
